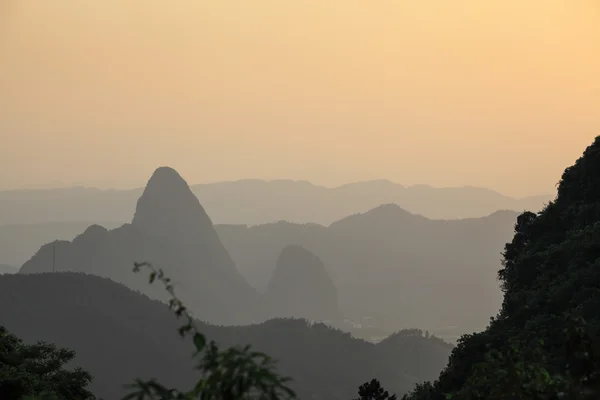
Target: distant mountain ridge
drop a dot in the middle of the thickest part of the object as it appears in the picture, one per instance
(254, 201)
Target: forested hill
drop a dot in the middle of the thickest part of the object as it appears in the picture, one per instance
(119, 335)
(545, 342)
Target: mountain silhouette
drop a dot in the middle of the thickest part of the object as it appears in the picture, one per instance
(300, 287)
(170, 211)
(170, 229)
(120, 335)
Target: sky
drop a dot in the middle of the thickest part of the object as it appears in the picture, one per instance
(501, 94)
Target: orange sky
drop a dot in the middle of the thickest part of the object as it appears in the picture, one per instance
(500, 93)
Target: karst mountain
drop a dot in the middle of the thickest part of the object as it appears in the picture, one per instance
(301, 287)
(171, 230)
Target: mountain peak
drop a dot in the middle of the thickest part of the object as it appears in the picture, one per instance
(382, 215)
(170, 211)
(391, 211)
(166, 178)
(168, 208)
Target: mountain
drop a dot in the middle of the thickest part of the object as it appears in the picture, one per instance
(7, 269)
(404, 261)
(300, 287)
(545, 341)
(257, 202)
(402, 269)
(119, 335)
(168, 210)
(170, 229)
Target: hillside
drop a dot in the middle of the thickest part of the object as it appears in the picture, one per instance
(257, 202)
(544, 342)
(434, 274)
(119, 335)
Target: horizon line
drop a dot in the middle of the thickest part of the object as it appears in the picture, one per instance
(270, 181)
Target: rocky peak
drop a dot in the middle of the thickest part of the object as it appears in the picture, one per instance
(300, 287)
(168, 208)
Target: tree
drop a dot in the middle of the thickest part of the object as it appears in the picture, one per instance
(38, 371)
(231, 374)
(545, 341)
(373, 391)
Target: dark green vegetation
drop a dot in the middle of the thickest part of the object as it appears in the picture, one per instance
(373, 391)
(545, 341)
(120, 335)
(38, 370)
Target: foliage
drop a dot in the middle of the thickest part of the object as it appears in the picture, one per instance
(545, 341)
(42, 396)
(422, 391)
(233, 373)
(373, 391)
(37, 371)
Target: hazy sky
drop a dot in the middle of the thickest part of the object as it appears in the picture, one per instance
(499, 93)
